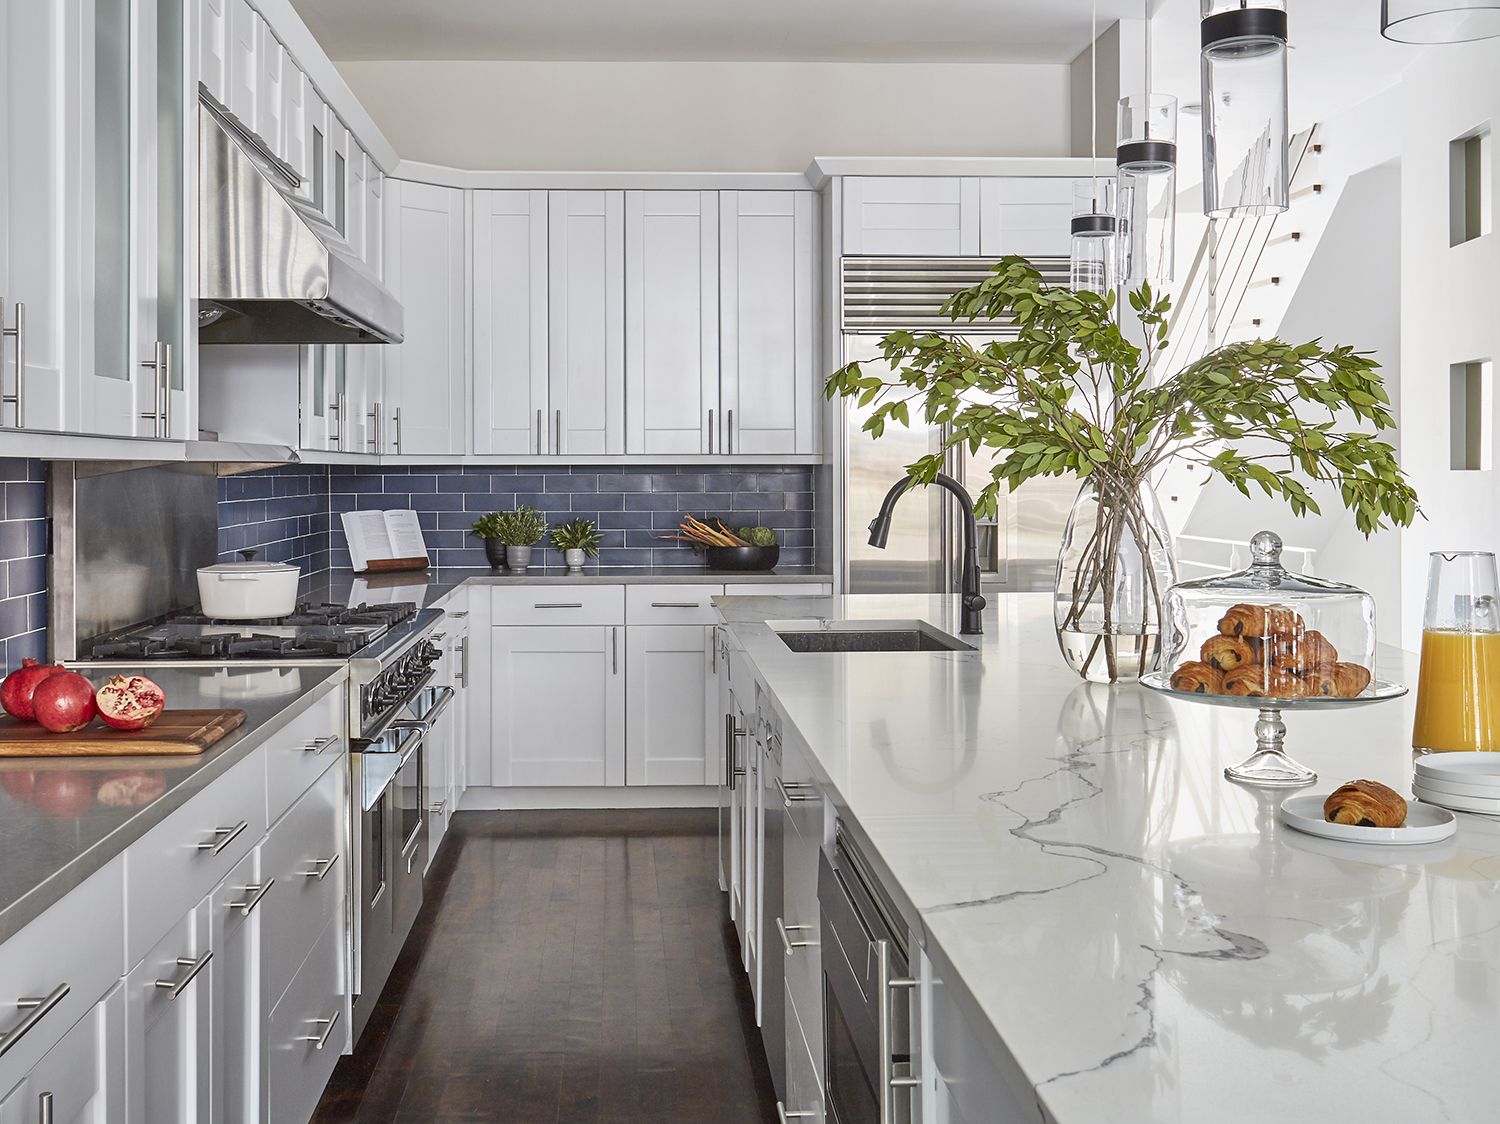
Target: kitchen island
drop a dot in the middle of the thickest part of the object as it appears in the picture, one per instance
(1128, 935)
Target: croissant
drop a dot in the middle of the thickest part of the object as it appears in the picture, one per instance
(1316, 650)
(1198, 679)
(1321, 683)
(1352, 678)
(1227, 652)
(1259, 620)
(1257, 682)
(1365, 804)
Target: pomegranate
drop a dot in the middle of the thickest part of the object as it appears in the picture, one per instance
(129, 702)
(16, 690)
(64, 702)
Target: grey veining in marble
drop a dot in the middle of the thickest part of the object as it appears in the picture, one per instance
(55, 830)
(1142, 940)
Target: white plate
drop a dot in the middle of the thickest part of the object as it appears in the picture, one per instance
(1425, 823)
(1455, 787)
(1483, 806)
(1465, 768)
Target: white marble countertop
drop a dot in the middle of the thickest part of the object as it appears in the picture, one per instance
(1146, 942)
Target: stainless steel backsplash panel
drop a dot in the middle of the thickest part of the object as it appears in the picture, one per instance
(127, 543)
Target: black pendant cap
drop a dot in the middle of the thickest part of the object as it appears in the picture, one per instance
(1265, 24)
(1093, 224)
(1146, 156)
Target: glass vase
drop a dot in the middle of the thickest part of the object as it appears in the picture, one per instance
(1113, 572)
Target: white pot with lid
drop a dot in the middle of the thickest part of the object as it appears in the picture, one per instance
(248, 590)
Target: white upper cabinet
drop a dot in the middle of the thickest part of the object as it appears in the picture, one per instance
(1026, 215)
(374, 218)
(246, 30)
(510, 322)
(768, 302)
(213, 48)
(586, 322)
(341, 149)
(270, 119)
(425, 398)
(295, 90)
(317, 153)
(916, 216)
(671, 321)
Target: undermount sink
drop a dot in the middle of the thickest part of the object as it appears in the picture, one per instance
(865, 636)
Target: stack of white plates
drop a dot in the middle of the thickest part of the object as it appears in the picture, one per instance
(1464, 782)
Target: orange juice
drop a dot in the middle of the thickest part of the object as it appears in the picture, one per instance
(1458, 691)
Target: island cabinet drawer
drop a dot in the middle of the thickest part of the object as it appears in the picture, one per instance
(302, 752)
(304, 854)
(671, 604)
(559, 604)
(174, 865)
(307, 1031)
(67, 958)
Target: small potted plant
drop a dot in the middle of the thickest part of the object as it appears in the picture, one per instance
(576, 538)
(487, 528)
(518, 531)
(746, 549)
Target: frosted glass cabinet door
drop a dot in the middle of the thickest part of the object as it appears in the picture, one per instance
(586, 322)
(510, 323)
(768, 371)
(671, 321)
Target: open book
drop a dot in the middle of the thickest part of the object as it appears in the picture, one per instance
(377, 537)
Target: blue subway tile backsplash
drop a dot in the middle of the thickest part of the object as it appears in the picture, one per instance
(23, 560)
(281, 513)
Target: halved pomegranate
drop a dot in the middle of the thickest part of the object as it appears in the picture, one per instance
(64, 702)
(17, 689)
(130, 702)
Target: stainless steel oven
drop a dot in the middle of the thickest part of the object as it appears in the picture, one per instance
(389, 772)
(867, 988)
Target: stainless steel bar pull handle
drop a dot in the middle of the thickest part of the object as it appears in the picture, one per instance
(557, 432)
(341, 407)
(321, 744)
(156, 363)
(791, 792)
(396, 425)
(321, 1040)
(323, 867)
(164, 407)
(539, 448)
(36, 1010)
(19, 332)
(782, 1115)
(710, 432)
(174, 988)
(44, 1109)
(614, 651)
(787, 943)
(256, 893)
(437, 809)
(729, 432)
(675, 605)
(557, 604)
(888, 1082)
(373, 416)
(223, 836)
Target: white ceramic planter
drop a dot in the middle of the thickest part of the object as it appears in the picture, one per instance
(517, 558)
(242, 591)
(573, 559)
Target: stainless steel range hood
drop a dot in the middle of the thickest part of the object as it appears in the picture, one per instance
(271, 268)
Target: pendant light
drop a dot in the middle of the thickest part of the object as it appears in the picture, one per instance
(1439, 21)
(1244, 108)
(1091, 254)
(1146, 178)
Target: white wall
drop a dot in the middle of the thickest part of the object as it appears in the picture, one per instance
(775, 117)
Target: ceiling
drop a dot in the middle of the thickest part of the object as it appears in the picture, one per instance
(1038, 31)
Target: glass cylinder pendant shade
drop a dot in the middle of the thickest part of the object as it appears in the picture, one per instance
(1146, 198)
(1439, 21)
(1244, 108)
(1092, 254)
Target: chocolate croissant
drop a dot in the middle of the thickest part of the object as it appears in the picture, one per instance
(1316, 651)
(1365, 804)
(1227, 652)
(1198, 679)
(1321, 683)
(1259, 620)
(1254, 681)
(1352, 678)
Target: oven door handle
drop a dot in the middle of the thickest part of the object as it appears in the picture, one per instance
(434, 712)
(391, 718)
(412, 744)
(887, 1082)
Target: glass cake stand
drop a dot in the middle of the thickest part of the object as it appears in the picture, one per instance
(1269, 766)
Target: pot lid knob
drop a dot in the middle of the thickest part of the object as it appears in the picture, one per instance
(1265, 549)
(249, 555)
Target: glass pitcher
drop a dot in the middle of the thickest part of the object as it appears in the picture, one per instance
(1458, 690)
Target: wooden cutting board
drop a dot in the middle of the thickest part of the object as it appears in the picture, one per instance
(176, 731)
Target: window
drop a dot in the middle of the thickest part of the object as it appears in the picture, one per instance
(1469, 187)
(1471, 433)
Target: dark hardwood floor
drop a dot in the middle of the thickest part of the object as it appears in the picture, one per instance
(566, 967)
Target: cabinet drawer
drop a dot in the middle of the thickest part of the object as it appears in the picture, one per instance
(804, 1089)
(671, 604)
(559, 604)
(304, 854)
(300, 754)
(307, 1031)
(77, 942)
(174, 865)
(779, 589)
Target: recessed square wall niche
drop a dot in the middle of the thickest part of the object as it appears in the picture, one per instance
(1470, 432)
(1469, 209)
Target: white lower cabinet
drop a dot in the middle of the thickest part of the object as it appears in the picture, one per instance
(81, 1080)
(667, 718)
(238, 1062)
(804, 1092)
(308, 1029)
(558, 705)
(168, 1008)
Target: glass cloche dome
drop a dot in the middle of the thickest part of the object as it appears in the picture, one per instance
(1267, 633)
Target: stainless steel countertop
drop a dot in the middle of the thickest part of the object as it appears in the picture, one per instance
(55, 832)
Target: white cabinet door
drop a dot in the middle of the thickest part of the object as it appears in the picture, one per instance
(295, 91)
(213, 48)
(510, 322)
(81, 1080)
(671, 321)
(245, 31)
(358, 195)
(558, 706)
(168, 1006)
(318, 426)
(586, 322)
(460, 708)
(668, 724)
(424, 398)
(437, 763)
(341, 145)
(768, 335)
(270, 121)
(239, 1012)
(1026, 215)
(318, 155)
(918, 216)
(375, 220)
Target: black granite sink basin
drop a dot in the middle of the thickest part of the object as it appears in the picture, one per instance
(872, 640)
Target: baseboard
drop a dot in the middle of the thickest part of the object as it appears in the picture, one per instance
(653, 796)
